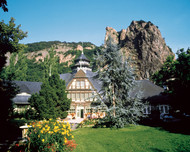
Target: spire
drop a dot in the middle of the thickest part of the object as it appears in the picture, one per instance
(82, 48)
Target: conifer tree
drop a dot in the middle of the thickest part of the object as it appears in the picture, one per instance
(52, 101)
(118, 81)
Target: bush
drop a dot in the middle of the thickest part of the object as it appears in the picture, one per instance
(88, 123)
(51, 135)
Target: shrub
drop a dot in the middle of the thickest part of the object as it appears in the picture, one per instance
(51, 135)
(88, 123)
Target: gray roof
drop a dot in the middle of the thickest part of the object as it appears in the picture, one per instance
(96, 82)
(67, 77)
(82, 57)
(21, 99)
(151, 92)
(28, 87)
(148, 89)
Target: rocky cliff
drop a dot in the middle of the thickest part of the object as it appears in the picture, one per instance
(65, 51)
(144, 44)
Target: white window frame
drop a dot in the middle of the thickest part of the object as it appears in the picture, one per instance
(164, 109)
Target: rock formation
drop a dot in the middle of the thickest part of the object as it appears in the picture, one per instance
(143, 43)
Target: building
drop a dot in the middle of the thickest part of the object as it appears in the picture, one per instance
(82, 86)
(26, 89)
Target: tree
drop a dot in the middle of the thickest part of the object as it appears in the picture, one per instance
(50, 64)
(17, 68)
(52, 101)
(175, 74)
(9, 39)
(3, 4)
(166, 72)
(118, 82)
(7, 92)
(9, 42)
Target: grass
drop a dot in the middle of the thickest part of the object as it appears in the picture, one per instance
(130, 139)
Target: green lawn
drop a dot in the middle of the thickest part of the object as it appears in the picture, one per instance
(131, 139)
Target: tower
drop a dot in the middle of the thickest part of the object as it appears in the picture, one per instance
(82, 63)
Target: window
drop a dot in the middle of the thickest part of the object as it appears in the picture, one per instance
(164, 109)
(68, 96)
(73, 96)
(87, 84)
(147, 110)
(73, 85)
(71, 110)
(88, 110)
(86, 96)
(82, 96)
(78, 84)
(78, 97)
(82, 84)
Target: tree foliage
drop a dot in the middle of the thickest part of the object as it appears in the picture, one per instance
(10, 34)
(3, 4)
(7, 91)
(52, 101)
(37, 46)
(118, 81)
(175, 74)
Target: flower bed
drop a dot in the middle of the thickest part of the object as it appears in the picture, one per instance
(50, 135)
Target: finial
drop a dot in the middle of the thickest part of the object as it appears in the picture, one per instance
(82, 48)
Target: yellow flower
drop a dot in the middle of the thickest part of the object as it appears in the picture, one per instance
(38, 136)
(43, 140)
(72, 136)
(65, 140)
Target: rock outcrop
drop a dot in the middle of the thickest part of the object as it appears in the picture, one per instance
(143, 43)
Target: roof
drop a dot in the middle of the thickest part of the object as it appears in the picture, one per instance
(148, 89)
(82, 57)
(21, 99)
(28, 87)
(150, 92)
(95, 82)
(89, 74)
(67, 77)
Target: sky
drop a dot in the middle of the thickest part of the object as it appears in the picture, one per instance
(86, 20)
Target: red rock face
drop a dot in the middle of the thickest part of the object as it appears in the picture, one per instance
(143, 43)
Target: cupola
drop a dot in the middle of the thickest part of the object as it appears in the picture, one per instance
(82, 63)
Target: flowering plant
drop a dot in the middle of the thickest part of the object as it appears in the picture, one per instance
(51, 135)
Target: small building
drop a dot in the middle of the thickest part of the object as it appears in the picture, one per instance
(26, 89)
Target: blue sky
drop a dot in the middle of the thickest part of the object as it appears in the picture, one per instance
(86, 20)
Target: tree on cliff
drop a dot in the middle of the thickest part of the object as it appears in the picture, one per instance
(52, 101)
(175, 74)
(118, 80)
